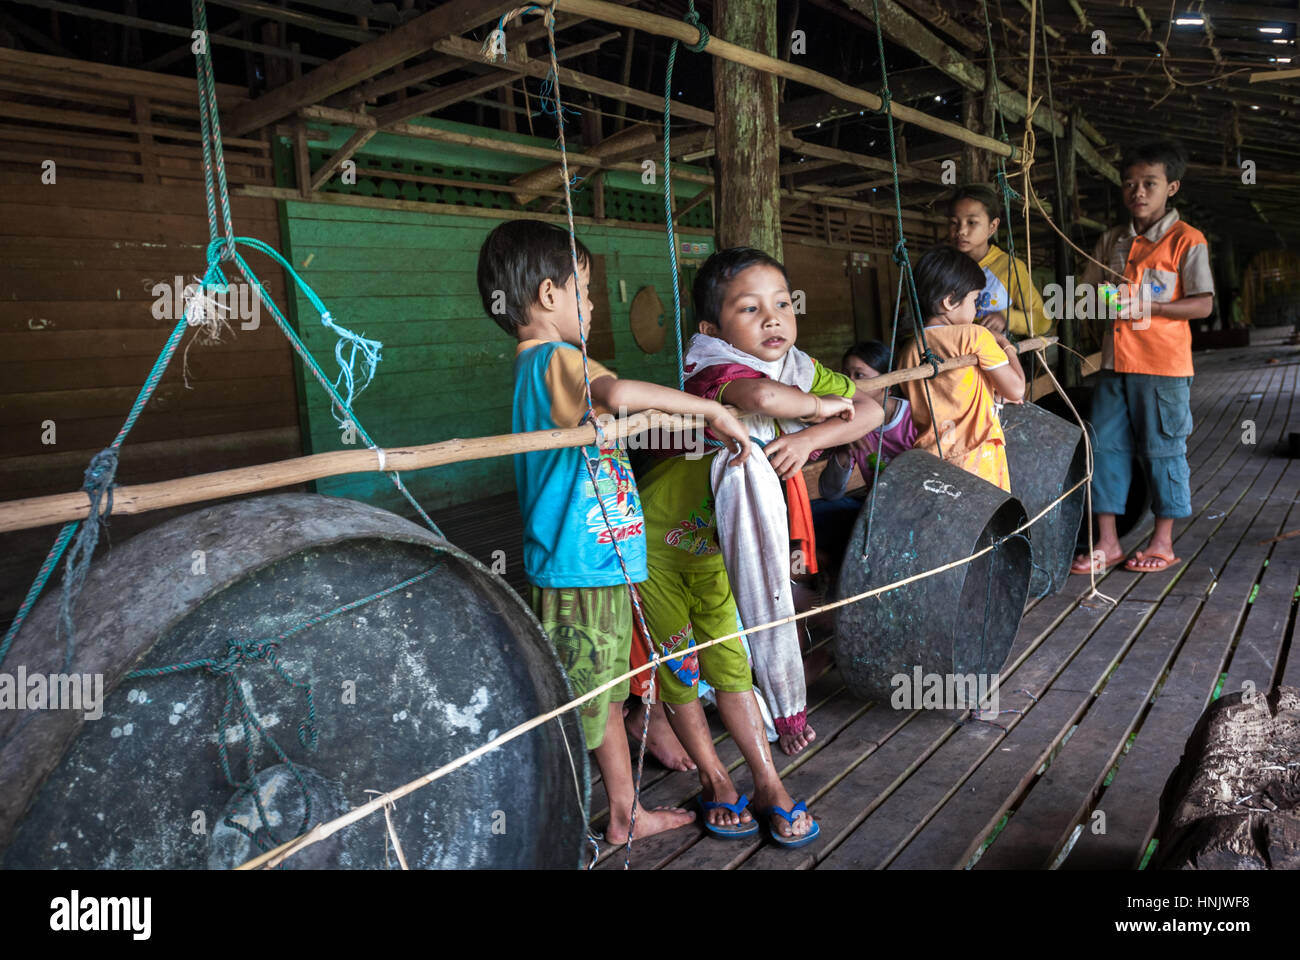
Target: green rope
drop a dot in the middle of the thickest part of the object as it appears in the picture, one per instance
(1007, 192)
(900, 248)
(240, 653)
(692, 18)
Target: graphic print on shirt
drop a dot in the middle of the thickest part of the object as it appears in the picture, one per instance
(617, 494)
(685, 668)
(694, 535)
(994, 297)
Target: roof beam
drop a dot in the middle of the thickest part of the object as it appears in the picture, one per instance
(363, 62)
(469, 51)
(901, 27)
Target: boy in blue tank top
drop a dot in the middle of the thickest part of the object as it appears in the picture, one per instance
(580, 505)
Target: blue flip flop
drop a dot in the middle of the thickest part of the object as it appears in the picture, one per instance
(734, 832)
(790, 817)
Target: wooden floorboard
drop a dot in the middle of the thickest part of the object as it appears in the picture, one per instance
(1221, 477)
(1131, 801)
(1062, 796)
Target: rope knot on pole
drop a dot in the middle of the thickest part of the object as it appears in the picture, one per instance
(693, 18)
(900, 251)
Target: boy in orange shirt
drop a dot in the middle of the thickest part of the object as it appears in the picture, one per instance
(1143, 396)
(964, 401)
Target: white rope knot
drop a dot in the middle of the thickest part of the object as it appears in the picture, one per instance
(389, 805)
(379, 455)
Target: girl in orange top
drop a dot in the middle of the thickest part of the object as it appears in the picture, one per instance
(964, 401)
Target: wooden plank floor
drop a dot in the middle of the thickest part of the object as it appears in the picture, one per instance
(1098, 697)
(1105, 694)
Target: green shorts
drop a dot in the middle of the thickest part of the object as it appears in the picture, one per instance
(591, 630)
(683, 608)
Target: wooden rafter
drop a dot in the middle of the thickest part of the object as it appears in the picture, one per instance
(361, 63)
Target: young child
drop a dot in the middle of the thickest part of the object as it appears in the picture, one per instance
(744, 355)
(862, 362)
(964, 404)
(572, 524)
(973, 219)
(1143, 395)
(835, 513)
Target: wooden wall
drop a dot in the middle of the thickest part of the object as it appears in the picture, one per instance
(78, 260)
(408, 279)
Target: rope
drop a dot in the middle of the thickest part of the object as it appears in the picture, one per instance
(693, 18)
(548, 15)
(324, 830)
(900, 248)
(102, 470)
(240, 653)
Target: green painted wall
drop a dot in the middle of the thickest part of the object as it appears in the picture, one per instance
(408, 280)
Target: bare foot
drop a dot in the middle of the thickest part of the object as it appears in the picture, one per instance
(661, 741)
(793, 743)
(724, 793)
(648, 823)
(781, 798)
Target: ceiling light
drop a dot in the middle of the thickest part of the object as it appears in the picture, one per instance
(1281, 59)
(819, 123)
(1254, 106)
(1281, 41)
(1270, 29)
(1189, 21)
(937, 98)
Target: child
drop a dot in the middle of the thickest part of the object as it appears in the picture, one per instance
(835, 513)
(963, 401)
(864, 361)
(972, 224)
(745, 351)
(1143, 395)
(572, 525)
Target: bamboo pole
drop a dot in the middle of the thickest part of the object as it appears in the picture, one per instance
(141, 498)
(680, 30)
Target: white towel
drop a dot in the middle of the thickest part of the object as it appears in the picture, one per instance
(795, 369)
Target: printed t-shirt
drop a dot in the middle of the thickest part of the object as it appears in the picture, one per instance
(963, 401)
(680, 530)
(1007, 288)
(899, 435)
(566, 540)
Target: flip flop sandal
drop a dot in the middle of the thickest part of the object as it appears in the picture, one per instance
(789, 817)
(1168, 562)
(731, 831)
(1110, 564)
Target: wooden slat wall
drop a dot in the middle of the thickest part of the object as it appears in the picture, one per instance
(826, 327)
(78, 261)
(408, 280)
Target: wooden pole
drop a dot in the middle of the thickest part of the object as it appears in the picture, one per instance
(748, 133)
(141, 498)
(680, 30)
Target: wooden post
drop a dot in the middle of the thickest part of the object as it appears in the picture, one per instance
(973, 169)
(625, 78)
(302, 159)
(141, 115)
(598, 195)
(747, 131)
(506, 95)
